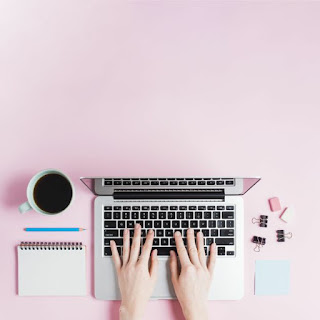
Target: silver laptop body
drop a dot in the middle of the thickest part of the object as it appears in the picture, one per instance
(215, 202)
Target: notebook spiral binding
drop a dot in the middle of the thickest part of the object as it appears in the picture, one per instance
(50, 246)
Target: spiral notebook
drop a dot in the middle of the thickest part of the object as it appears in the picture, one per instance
(52, 269)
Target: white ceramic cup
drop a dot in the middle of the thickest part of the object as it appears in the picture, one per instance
(31, 204)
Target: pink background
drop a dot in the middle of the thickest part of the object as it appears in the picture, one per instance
(162, 88)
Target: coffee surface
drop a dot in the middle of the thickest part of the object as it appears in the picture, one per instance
(52, 193)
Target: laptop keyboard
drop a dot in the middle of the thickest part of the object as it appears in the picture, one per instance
(217, 223)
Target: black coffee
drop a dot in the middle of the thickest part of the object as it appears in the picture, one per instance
(52, 193)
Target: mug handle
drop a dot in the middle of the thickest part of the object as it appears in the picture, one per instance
(25, 207)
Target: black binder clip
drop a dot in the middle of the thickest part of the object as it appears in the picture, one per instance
(263, 221)
(281, 236)
(260, 242)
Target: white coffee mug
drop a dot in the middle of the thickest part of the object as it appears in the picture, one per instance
(31, 203)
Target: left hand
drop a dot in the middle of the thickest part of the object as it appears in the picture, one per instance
(136, 280)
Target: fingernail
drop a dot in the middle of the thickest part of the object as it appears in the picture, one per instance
(137, 226)
(190, 230)
(150, 231)
(178, 233)
(125, 231)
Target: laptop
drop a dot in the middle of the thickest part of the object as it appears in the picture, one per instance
(211, 204)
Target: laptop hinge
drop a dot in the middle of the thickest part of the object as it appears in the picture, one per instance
(217, 194)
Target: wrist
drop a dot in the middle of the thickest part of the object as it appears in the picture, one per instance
(198, 313)
(126, 313)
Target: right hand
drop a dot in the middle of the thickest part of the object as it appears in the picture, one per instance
(192, 285)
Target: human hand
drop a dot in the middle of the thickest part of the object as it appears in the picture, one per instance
(192, 285)
(136, 280)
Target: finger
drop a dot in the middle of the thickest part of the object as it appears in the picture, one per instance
(135, 248)
(146, 250)
(115, 256)
(126, 247)
(173, 266)
(154, 264)
(212, 258)
(182, 252)
(200, 246)
(192, 249)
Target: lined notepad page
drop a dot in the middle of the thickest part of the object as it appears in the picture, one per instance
(52, 272)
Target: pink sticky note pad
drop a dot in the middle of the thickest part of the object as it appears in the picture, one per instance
(274, 204)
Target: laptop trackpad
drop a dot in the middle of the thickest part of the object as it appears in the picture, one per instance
(164, 288)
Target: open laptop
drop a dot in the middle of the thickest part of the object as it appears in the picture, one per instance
(213, 205)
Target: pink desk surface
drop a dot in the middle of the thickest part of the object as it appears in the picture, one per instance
(163, 88)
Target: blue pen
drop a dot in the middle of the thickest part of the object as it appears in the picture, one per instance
(54, 229)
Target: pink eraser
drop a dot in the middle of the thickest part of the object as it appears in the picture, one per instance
(274, 204)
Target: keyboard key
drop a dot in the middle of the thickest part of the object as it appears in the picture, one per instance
(121, 224)
(221, 251)
(164, 241)
(116, 215)
(144, 208)
(180, 215)
(159, 233)
(154, 183)
(173, 208)
(130, 224)
(225, 241)
(107, 251)
(193, 224)
(118, 241)
(143, 233)
(134, 215)
(136, 183)
(230, 224)
(211, 207)
(185, 224)
(229, 182)
(230, 253)
(183, 208)
(164, 208)
(214, 232)
(227, 215)
(173, 183)
(198, 215)
(143, 215)
(153, 215)
(201, 183)
(140, 222)
(216, 215)
(212, 224)
(201, 208)
(176, 224)
(158, 224)
(126, 208)
(116, 208)
(182, 183)
(117, 183)
(167, 224)
(227, 233)
(192, 183)
(203, 224)
(148, 224)
(207, 215)
(210, 183)
(209, 241)
(205, 232)
(136, 208)
(126, 183)
(189, 215)
(110, 224)
(156, 241)
(111, 233)
(107, 208)
(154, 208)
(220, 182)
(168, 233)
(162, 215)
(221, 224)
(172, 242)
(107, 182)
(145, 183)
(171, 215)
(192, 208)
(164, 183)
(108, 215)
(165, 251)
(220, 207)
(230, 207)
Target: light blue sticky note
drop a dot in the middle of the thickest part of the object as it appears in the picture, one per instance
(272, 277)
